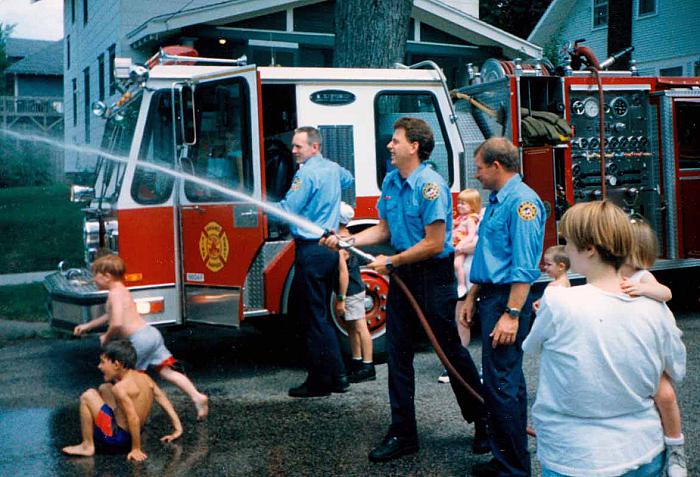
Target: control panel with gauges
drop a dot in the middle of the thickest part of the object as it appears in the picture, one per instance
(631, 178)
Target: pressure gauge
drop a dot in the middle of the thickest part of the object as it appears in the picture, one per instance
(619, 106)
(577, 107)
(591, 107)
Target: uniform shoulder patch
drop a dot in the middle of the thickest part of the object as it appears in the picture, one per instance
(431, 191)
(527, 210)
(296, 184)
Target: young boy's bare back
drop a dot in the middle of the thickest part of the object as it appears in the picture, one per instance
(112, 417)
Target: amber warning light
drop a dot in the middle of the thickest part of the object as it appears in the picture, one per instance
(149, 306)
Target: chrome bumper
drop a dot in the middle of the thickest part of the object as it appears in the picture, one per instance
(73, 301)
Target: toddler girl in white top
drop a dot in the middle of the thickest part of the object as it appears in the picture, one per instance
(639, 281)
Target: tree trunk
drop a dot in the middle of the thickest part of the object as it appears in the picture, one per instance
(371, 33)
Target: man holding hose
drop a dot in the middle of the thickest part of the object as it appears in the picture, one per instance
(415, 211)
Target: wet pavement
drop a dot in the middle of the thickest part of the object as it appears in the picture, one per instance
(254, 429)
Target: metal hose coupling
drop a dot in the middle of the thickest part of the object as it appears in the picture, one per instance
(345, 245)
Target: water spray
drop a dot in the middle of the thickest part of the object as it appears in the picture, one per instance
(273, 210)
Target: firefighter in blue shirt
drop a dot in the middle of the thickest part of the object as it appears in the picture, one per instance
(415, 211)
(505, 264)
(315, 195)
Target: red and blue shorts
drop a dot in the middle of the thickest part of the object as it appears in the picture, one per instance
(108, 436)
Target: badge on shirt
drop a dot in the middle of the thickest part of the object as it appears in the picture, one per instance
(527, 211)
(296, 184)
(431, 191)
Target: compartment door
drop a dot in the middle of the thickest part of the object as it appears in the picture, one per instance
(220, 233)
(686, 113)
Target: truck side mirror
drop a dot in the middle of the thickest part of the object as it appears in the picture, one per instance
(186, 114)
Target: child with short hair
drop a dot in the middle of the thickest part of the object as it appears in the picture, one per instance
(639, 281)
(350, 304)
(124, 321)
(602, 355)
(111, 417)
(465, 236)
(556, 265)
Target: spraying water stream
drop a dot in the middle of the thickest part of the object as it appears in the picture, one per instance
(267, 207)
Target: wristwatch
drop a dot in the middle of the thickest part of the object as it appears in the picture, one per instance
(339, 297)
(513, 312)
(389, 266)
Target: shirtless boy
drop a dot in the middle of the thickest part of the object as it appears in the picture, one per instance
(125, 322)
(111, 418)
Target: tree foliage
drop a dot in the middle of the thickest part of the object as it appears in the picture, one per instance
(371, 33)
(518, 17)
(5, 31)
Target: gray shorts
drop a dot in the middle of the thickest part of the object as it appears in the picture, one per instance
(150, 349)
(355, 307)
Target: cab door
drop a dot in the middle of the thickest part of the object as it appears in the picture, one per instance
(220, 234)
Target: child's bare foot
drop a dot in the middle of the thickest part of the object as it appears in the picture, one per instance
(81, 449)
(202, 405)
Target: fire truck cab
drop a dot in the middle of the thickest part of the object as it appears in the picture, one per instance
(196, 255)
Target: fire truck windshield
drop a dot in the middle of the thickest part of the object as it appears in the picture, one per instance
(117, 139)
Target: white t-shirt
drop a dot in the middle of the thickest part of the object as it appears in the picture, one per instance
(602, 358)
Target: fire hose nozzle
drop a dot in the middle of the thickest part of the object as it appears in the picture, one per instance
(616, 56)
(350, 247)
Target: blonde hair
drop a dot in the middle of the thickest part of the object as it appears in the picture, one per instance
(558, 255)
(471, 197)
(111, 265)
(600, 224)
(643, 254)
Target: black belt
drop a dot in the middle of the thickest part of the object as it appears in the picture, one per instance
(428, 263)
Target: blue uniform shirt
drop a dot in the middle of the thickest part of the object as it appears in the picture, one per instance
(315, 195)
(510, 236)
(409, 205)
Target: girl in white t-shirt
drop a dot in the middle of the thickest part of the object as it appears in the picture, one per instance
(639, 281)
(602, 355)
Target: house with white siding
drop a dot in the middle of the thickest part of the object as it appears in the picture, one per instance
(665, 34)
(279, 32)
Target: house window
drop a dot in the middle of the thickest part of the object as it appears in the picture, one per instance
(72, 11)
(646, 7)
(86, 103)
(85, 12)
(101, 76)
(600, 13)
(112, 56)
(674, 71)
(67, 52)
(74, 84)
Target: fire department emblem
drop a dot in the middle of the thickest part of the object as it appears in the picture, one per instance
(527, 211)
(213, 246)
(296, 184)
(431, 191)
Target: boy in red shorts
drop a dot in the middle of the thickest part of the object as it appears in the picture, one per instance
(111, 417)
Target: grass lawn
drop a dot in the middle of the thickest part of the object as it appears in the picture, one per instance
(23, 302)
(40, 227)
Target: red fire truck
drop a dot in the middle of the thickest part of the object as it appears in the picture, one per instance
(195, 255)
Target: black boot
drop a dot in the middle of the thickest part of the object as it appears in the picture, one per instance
(480, 444)
(393, 447)
(341, 384)
(365, 373)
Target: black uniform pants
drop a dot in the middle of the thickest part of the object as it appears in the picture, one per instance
(314, 273)
(504, 383)
(432, 283)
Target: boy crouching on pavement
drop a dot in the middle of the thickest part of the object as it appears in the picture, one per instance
(111, 418)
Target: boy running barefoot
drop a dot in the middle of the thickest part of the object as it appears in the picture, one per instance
(111, 418)
(125, 322)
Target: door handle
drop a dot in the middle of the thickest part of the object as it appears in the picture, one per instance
(196, 208)
(249, 213)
